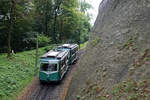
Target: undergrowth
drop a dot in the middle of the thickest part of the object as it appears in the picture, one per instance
(83, 45)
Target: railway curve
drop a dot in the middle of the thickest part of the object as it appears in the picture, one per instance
(48, 91)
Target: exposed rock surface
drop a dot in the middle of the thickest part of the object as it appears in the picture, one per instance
(118, 49)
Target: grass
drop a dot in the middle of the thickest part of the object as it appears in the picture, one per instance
(17, 72)
(83, 45)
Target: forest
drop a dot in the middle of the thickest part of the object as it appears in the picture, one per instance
(51, 21)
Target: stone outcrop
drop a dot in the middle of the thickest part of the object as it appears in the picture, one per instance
(118, 48)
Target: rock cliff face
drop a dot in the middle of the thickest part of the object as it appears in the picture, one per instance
(117, 57)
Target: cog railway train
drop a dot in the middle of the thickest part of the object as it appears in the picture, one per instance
(55, 63)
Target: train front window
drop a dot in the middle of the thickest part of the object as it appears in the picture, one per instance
(52, 67)
(44, 67)
(49, 67)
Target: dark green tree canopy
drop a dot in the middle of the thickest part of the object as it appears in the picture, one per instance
(55, 21)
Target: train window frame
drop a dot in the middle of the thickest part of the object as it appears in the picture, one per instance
(66, 60)
(42, 66)
(48, 69)
(63, 64)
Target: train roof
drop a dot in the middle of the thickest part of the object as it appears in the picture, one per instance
(55, 54)
(71, 46)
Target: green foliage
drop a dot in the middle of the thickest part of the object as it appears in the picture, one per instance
(38, 16)
(83, 45)
(43, 40)
(85, 6)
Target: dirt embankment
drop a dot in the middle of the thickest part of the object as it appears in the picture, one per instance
(117, 58)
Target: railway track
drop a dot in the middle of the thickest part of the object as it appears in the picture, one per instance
(51, 91)
(44, 93)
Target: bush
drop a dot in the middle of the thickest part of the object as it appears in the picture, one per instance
(3, 49)
(43, 40)
(29, 42)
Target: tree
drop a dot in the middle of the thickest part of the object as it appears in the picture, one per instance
(11, 21)
(56, 20)
(56, 12)
(43, 15)
(4, 23)
(84, 6)
(74, 22)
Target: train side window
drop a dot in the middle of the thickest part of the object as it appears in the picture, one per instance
(63, 62)
(74, 50)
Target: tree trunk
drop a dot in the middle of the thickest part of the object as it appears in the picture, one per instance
(36, 59)
(12, 14)
(61, 32)
(46, 19)
(46, 25)
(57, 7)
(54, 29)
